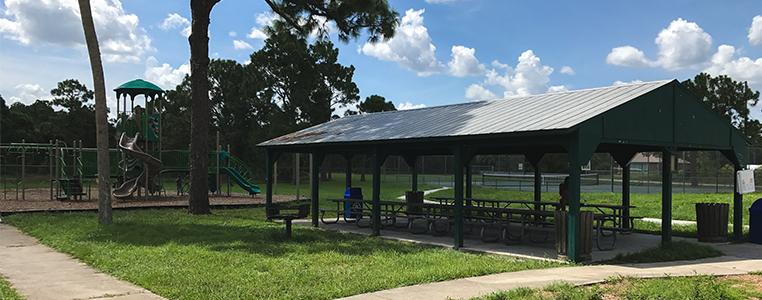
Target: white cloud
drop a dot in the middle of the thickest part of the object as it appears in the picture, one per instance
(409, 105)
(755, 31)
(232, 34)
(57, 22)
(567, 70)
(529, 76)
(725, 62)
(411, 46)
(164, 75)
(464, 62)
(263, 20)
(257, 34)
(627, 56)
(619, 82)
(28, 93)
(174, 21)
(241, 45)
(681, 45)
(478, 92)
(557, 88)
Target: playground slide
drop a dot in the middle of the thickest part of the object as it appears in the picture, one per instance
(153, 166)
(241, 181)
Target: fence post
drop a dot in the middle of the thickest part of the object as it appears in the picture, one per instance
(51, 152)
(23, 170)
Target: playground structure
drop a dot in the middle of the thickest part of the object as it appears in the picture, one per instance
(139, 165)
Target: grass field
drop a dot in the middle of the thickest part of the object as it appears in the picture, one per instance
(7, 292)
(235, 254)
(694, 288)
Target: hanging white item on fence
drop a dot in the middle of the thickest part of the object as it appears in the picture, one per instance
(745, 179)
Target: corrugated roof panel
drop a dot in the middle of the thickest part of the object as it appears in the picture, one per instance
(549, 111)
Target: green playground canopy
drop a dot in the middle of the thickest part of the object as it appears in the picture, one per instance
(139, 87)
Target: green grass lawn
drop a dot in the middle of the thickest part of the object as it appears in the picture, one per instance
(235, 254)
(693, 288)
(7, 292)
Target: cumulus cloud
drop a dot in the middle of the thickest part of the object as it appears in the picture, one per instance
(27, 93)
(726, 62)
(755, 31)
(627, 56)
(409, 105)
(479, 92)
(557, 88)
(263, 20)
(619, 82)
(681, 45)
(174, 21)
(241, 45)
(529, 76)
(567, 70)
(411, 46)
(57, 22)
(464, 62)
(164, 74)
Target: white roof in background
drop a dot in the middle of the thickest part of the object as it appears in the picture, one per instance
(551, 111)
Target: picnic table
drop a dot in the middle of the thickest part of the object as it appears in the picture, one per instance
(529, 204)
(360, 208)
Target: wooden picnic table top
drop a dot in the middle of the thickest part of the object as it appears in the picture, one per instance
(502, 201)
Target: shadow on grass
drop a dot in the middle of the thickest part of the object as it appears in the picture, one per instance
(260, 238)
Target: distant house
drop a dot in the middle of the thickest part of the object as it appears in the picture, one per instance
(649, 161)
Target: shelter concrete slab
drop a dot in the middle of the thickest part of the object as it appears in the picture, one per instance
(629, 243)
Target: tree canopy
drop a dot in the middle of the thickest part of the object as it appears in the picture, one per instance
(376, 103)
(729, 98)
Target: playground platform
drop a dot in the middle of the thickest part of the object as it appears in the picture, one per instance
(43, 203)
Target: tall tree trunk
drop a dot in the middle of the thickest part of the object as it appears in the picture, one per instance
(200, 116)
(101, 121)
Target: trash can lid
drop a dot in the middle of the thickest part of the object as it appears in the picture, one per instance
(756, 207)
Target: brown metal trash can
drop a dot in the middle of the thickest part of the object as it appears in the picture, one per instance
(586, 235)
(414, 200)
(712, 222)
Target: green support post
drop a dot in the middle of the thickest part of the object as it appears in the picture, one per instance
(666, 197)
(411, 161)
(317, 160)
(270, 158)
(378, 160)
(626, 196)
(458, 167)
(573, 219)
(348, 173)
(737, 207)
(469, 185)
(534, 160)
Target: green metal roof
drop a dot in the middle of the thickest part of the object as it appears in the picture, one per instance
(139, 87)
(634, 118)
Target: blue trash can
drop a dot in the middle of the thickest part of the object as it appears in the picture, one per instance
(755, 222)
(353, 210)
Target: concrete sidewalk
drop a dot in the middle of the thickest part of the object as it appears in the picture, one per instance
(482, 285)
(39, 272)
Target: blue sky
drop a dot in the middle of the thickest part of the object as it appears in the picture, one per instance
(446, 51)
